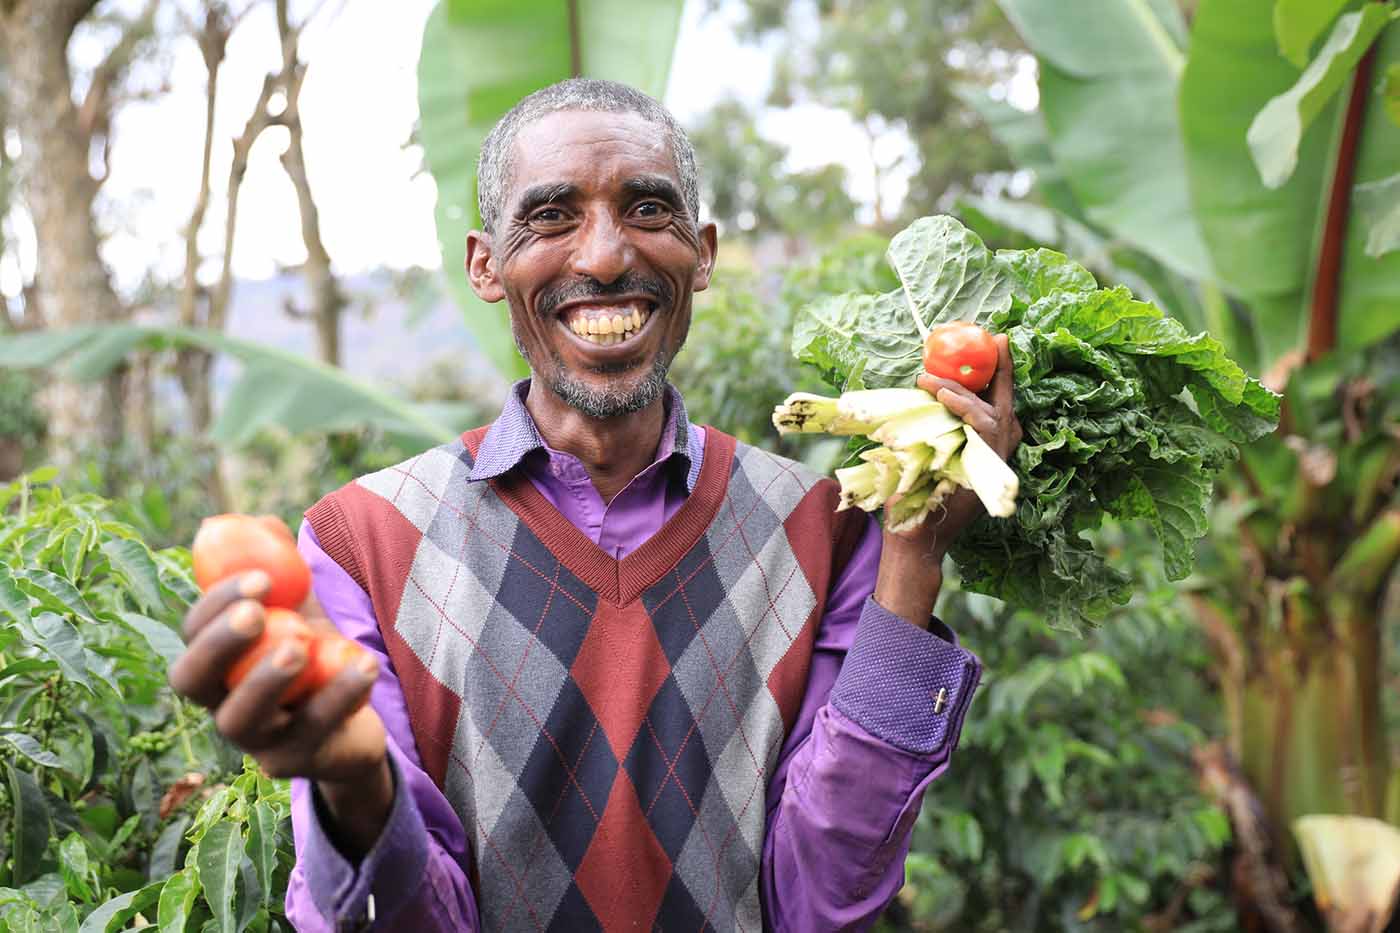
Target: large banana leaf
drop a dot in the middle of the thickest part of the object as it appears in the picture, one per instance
(1264, 242)
(1108, 78)
(480, 57)
(275, 388)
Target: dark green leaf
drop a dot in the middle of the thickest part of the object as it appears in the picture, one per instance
(166, 850)
(30, 825)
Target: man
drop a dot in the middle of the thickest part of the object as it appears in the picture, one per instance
(627, 671)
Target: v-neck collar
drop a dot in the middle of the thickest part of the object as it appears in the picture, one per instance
(619, 581)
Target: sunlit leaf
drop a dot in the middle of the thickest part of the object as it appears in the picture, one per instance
(29, 747)
(119, 911)
(1276, 132)
(217, 856)
(177, 900)
(1378, 204)
(1298, 22)
(73, 864)
(133, 561)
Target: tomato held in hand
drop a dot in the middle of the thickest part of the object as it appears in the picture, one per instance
(280, 626)
(961, 351)
(327, 654)
(230, 544)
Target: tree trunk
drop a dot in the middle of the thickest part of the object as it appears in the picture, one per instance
(1312, 739)
(73, 284)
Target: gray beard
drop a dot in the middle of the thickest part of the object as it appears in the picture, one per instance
(611, 401)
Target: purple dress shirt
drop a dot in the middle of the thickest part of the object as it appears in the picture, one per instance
(884, 705)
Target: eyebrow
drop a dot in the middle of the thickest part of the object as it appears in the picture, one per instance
(655, 186)
(539, 195)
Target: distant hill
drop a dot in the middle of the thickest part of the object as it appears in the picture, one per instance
(393, 332)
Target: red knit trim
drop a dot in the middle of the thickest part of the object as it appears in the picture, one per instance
(333, 533)
(622, 581)
(472, 439)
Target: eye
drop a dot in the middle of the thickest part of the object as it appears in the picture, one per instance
(547, 215)
(652, 210)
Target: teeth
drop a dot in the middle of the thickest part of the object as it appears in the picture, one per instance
(608, 330)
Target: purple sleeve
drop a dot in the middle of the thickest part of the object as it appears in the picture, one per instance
(415, 875)
(884, 706)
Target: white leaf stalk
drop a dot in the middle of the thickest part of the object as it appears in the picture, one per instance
(925, 452)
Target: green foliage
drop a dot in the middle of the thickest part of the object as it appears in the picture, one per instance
(118, 798)
(1071, 802)
(746, 187)
(275, 388)
(20, 418)
(896, 63)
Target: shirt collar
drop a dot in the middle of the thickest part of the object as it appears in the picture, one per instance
(513, 436)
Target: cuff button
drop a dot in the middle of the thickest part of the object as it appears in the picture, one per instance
(941, 700)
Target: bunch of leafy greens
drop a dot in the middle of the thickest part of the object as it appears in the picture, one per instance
(1124, 412)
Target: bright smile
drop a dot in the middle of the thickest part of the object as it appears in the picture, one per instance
(607, 325)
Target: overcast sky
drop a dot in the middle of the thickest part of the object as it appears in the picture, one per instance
(358, 107)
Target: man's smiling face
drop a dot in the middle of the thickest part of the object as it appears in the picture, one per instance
(598, 257)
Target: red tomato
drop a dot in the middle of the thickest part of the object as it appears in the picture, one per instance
(230, 544)
(327, 654)
(961, 351)
(281, 626)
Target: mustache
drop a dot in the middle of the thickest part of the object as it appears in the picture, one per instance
(629, 283)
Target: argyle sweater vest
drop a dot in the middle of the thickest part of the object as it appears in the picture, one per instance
(605, 729)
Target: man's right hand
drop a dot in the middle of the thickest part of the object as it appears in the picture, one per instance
(329, 738)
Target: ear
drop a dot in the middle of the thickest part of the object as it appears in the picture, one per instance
(709, 237)
(481, 269)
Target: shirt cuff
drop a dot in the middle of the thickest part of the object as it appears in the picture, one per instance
(356, 895)
(905, 685)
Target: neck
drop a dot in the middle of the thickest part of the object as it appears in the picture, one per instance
(613, 450)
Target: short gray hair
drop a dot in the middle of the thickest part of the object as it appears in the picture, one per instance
(493, 169)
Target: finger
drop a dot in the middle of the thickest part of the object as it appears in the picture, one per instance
(252, 717)
(251, 585)
(1003, 380)
(199, 673)
(327, 708)
(971, 409)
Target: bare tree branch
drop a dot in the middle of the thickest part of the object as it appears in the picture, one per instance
(95, 114)
(327, 299)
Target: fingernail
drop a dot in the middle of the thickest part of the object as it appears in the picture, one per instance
(246, 618)
(368, 665)
(288, 657)
(253, 583)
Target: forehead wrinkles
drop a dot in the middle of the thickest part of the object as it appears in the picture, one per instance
(568, 151)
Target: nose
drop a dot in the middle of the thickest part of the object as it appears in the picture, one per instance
(602, 251)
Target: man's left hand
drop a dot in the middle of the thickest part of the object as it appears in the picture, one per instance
(911, 561)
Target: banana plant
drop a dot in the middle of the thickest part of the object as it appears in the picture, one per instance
(479, 58)
(1256, 154)
(275, 387)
